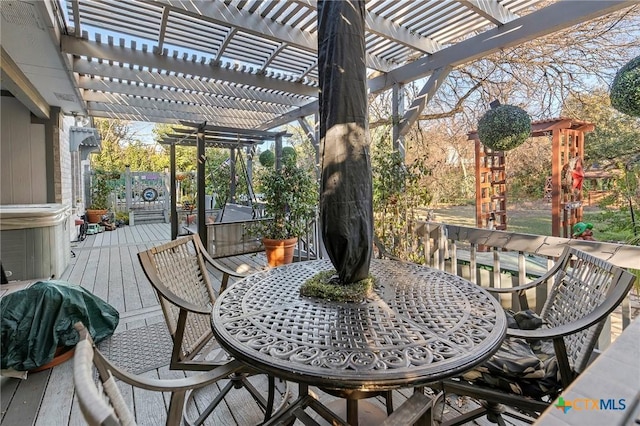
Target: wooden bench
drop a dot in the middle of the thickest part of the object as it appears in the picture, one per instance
(232, 233)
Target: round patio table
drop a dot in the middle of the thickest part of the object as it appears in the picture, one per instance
(419, 326)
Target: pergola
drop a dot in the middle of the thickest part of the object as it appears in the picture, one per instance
(201, 136)
(251, 64)
(247, 64)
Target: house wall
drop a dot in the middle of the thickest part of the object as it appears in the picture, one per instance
(23, 176)
(63, 184)
(64, 174)
(27, 176)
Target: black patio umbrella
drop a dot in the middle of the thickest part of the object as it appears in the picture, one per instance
(346, 207)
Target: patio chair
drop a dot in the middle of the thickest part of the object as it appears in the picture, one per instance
(178, 272)
(104, 404)
(533, 366)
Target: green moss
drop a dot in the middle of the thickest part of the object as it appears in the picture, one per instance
(504, 128)
(625, 89)
(326, 285)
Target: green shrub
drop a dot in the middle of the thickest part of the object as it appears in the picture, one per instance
(625, 90)
(504, 127)
(289, 156)
(267, 159)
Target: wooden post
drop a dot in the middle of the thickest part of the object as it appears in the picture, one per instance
(202, 225)
(173, 193)
(397, 105)
(556, 184)
(232, 180)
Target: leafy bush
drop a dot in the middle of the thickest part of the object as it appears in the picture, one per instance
(100, 190)
(625, 90)
(291, 198)
(398, 192)
(504, 127)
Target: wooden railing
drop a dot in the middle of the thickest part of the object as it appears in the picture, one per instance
(309, 244)
(494, 258)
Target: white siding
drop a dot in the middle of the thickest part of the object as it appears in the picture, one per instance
(22, 156)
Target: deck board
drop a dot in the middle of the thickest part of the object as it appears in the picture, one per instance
(106, 264)
(26, 400)
(55, 409)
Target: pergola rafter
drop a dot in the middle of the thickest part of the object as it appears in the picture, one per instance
(261, 57)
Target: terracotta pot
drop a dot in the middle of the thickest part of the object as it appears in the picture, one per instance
(61, 355)
(95, 216)
(279, 252)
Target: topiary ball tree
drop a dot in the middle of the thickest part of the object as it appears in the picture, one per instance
(289, 156)
(267, 158)
(504, 127)
(625, 90)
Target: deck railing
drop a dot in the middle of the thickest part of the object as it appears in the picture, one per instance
(503, 259)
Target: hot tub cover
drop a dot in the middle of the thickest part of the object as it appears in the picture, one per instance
(38, 319)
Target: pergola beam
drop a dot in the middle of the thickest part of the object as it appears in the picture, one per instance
(490, 10)
(221, 14)
(136, 102)
(306, 110)
(124, 55)
(187, 83)
(209, 129)
(420, 102)
(167, 116)
(99, 90)
(555, 17)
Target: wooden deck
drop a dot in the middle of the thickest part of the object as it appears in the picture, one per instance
(106, 264)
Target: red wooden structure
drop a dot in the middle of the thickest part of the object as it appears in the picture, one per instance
(567, 142)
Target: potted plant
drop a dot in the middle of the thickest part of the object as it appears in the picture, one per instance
(291, 198)
(100, 191)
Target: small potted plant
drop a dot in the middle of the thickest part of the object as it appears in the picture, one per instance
(100, 191)
(290, 196)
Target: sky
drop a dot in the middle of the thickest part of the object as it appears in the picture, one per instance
(143, 131)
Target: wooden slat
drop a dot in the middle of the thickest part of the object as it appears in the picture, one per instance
(26, 400)
(55, 410)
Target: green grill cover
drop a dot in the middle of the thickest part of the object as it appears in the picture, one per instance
(38, 319)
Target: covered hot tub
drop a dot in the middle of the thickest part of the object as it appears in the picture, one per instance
(34, 240)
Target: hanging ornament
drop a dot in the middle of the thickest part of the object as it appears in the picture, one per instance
(625, 90)
(504, 127)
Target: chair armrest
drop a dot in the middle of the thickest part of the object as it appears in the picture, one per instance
(172, 385)
(219, 266)
(613, 299)
(535, 283)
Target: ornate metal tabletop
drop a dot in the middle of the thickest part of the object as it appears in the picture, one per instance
(420, 326)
